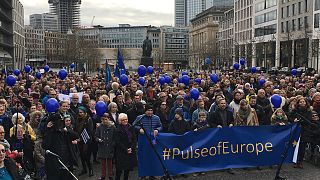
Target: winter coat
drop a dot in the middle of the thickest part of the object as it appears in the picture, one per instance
(150, 123)
(215, 119)
(39, 154)
(164, 119)
(186, 113)
(125, 161)
(266, 106)
(179, 127)
(107, 134)
(252, 119)
(305, 117)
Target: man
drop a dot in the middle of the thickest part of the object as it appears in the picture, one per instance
(264, 102)
(148, 122)
(179, 104)
(74, 105)
(258, 108)
(2, 138)
(222, 117)
(5, 121)
(52, 94)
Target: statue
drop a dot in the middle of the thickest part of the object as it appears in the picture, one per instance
(146, 47)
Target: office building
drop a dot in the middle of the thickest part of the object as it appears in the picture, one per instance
(44, 21)
(18, 34)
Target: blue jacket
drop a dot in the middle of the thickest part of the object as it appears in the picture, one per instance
(150, 123)
(195, 115)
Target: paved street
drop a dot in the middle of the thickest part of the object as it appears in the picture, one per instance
(309, 172)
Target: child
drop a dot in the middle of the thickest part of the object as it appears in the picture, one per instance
(105, 137)
(279, 118)
(179, 126)
(202, 122)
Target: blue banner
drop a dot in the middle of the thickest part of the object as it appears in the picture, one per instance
(215, 149)
(120, 68)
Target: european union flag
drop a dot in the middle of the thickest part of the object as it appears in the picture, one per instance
(120, 68)
(108, 73)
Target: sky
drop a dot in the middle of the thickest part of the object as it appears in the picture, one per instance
(114, 12)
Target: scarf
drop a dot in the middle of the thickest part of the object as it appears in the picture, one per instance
(125, 129)
(244, 113)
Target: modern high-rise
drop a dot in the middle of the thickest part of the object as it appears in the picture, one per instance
(68, 12)
(44, 21)
(194, 7)
(18, 34)
(180, 13)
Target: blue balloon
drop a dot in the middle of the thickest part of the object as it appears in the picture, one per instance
(194, 93)
(162, 80)
(150, 69)
(214, 78)
(254, 69)
(184, 73)
(242, 61)
(101, 108)
(236, 66)
(63, 74)
(16, 72)
(72, 65)
(124, 79)
(198, 80)
(142, 70)
(11, 80)
(27, 68)
(141, 81)
(261, 82)
(276, 100)
(38, 75)
(46, 68)
(294, 72)
(186, 80)
(52, 105)
(167, 79)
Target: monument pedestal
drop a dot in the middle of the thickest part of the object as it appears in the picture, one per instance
(146, 61)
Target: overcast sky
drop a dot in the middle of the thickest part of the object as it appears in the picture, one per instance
(114, 12)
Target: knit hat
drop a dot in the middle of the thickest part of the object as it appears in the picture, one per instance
(179, 111)
(148, 106)
(83, 109)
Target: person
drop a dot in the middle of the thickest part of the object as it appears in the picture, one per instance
(235, 104)
(39, 157)
(5, 120)
(179, 104)
(302, 112)
(246, 116)
(201, 107)
(2, 138)
(105, 136)
(162, 111)
(178, 125)
(59, 140)
(257, 108)
(264, 102)
(26, 127)
(222, 117)
(126, 155)
(85, 129)
(201, 123)
(8, 168)
(113, 112)
(279, 117)
(148, 121)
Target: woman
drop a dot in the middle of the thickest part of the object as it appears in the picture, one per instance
(85, 127)
(35, 118)
(246, 116)
(163, 112)
(105, 137)
(8, 169)
(279, 117)
(126, 158)
(302, 112)
(27, 129)
(113, 111)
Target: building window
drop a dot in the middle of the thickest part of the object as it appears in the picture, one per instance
(299, 7)
(282, 28)
(293, 9)
(306, 25)
(293, 25)
(288, 11)
(282, 13)
(299, 24)
(316, 20)
(317, 5)
(306, 5)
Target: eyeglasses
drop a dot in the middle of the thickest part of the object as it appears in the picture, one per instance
(314, 115)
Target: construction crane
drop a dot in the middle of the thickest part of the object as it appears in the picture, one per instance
(92, 20)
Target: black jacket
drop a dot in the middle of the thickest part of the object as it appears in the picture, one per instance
(260, 113)
(11, 167)
(179, 127)
(305, 116)
(266, 106)
(125, 161)
(214, 118)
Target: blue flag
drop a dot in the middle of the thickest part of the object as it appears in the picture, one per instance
(120, 68)
(108, 73)
(215, 149)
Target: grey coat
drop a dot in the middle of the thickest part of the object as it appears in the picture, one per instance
(106, 133)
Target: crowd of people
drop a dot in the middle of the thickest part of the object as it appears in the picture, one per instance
(29, 134)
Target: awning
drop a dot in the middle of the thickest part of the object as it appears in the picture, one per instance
(5, 54)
